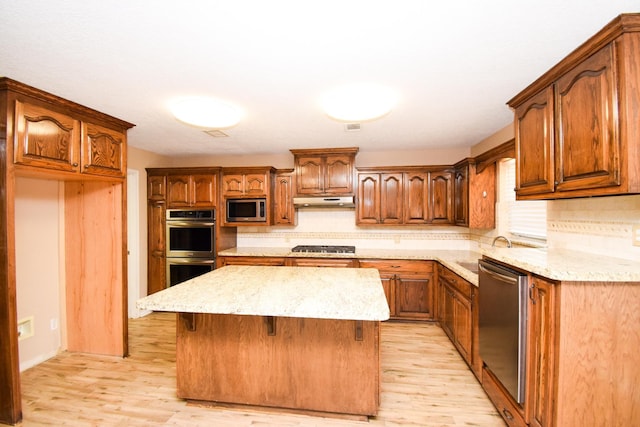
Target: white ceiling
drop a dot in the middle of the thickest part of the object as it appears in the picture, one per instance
(454, 63)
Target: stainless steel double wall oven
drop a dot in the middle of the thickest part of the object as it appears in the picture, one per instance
(191, 243)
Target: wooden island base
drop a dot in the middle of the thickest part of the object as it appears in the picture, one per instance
(303, 364)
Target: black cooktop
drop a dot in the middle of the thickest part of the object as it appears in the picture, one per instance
(325, 249)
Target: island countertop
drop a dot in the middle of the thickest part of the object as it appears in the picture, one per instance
(303, 292)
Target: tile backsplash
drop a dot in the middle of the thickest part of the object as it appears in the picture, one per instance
(598, 225)
(602, 226)
(337, 227)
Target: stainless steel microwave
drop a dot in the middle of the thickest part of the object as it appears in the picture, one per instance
(246, 210)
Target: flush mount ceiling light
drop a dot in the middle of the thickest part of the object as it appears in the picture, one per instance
(206, 112)
(358, 102)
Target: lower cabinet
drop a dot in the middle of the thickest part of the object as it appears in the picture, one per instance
(455, 296)
(408, 286)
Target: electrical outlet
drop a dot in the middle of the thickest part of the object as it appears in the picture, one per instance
(635, 235)
(53, 324)
(25, 328)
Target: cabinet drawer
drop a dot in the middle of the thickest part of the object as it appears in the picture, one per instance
(455, 281)
(323, 262)
(399, 266)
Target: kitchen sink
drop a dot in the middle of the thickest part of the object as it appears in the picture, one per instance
(469, 265)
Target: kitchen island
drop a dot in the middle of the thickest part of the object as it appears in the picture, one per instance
(298, 338)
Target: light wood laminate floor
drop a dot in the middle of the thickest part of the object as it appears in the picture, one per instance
(424, 383)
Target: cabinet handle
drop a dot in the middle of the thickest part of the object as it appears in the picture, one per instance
(533, 299)
(75, 165)
(508, 415)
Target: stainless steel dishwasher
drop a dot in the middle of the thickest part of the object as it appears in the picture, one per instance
(503, 321)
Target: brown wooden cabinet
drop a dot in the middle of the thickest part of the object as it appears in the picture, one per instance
(417, 203)
(411, 195)
(284, 211)
(43, 136)
(441, 197)
(192, 190)
(156, 263)
(455, 296)
(238, 182)
(327, 171)
(474, 194)
(408, 286)
(576, 127)
(541, 363)
(380, 198)
(52, 139)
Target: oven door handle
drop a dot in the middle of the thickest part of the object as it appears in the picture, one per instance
(183, 260)
(190, 224)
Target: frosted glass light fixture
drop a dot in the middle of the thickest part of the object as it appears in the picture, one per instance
(206, 112)
(358, 102)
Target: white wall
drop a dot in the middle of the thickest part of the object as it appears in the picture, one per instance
(38, 252)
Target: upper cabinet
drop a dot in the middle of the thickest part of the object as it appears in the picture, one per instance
(192, 190)
(409, 195)
(246, 182)
(284, 211)
(53, 134)
(576, 127)
(327, 171)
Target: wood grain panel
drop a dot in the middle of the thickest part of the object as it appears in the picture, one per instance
(598, 373)
(95, 286)
(311, 364)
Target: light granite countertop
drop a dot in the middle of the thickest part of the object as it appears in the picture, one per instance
(568, 265)
(449, 258)
(555, 264)
(306, 292)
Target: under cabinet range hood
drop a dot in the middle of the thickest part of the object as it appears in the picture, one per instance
(324, 202)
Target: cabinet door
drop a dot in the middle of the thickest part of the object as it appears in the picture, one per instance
(179, 191)
(285, 213)
(338, 174)
(587, 141)
(46, 138)
(461, 196)
(103, 151)
(416, 198)
(535, 145)
(204, 190)
(441, 197)
(156, 187)
(232, 185)
(391, 198)
(388, 285)
(414, 296)
(368, 206)
(255, 184)
(309, 175)
(540, 354)
(156, 280)
(447, 301)
(462, 326)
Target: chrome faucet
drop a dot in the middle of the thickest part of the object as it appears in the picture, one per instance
(503, 238)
